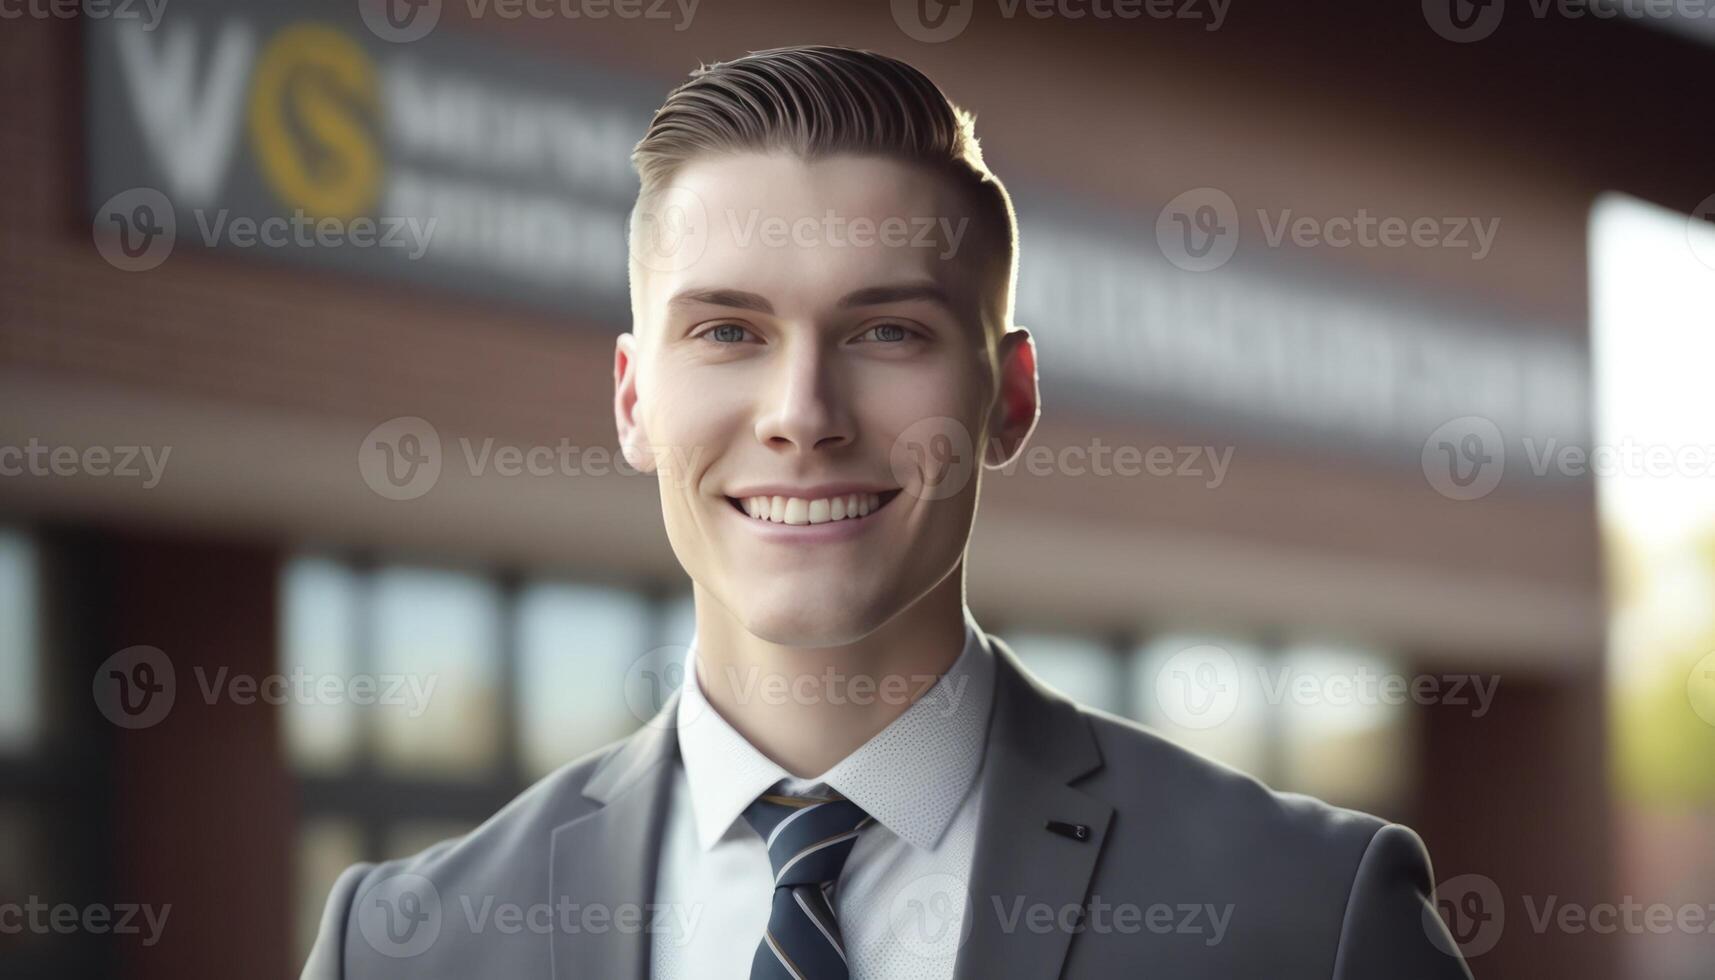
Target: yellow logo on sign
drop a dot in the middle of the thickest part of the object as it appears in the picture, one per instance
(312, 95)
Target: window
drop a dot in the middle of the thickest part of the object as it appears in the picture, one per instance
(577, 644)
(1083, 669)
(20, 652)
(439, 696)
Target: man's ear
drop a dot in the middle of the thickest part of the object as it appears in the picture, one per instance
(633, 440)
(1017, 403)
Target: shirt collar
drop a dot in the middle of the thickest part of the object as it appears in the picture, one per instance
(937, 742)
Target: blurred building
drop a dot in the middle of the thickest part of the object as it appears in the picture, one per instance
(1261, 523)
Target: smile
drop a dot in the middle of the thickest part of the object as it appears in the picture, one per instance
(803, 511)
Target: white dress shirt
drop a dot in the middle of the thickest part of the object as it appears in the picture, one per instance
(900, 898)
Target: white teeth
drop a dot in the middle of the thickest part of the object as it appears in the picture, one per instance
(799, 510)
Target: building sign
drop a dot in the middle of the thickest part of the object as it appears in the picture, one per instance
(292, 130)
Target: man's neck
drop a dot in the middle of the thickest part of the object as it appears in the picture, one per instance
(807, 708)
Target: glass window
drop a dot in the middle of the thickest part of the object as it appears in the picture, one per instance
(679, 620)
(1206, 694)
(20, 654)
(326, 847)
(1082, 669)
(1344, 724)
(576, 644)
(320, 630)
(437, 653)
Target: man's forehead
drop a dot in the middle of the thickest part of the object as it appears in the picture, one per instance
(790, 185)
(813, 233)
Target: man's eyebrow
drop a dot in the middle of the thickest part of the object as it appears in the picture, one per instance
(877, 295)
(734, 298)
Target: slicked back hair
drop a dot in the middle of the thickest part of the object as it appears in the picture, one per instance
(818, 100)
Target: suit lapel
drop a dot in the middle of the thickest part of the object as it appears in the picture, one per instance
(1038, 745)
(605, 861)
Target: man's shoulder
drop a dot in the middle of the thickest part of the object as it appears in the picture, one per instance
(502, 863)
(1220, 824)
(1143, 769)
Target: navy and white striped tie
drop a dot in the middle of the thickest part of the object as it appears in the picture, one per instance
(808, 840)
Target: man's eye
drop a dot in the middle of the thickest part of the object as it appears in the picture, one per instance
(889, 333)
(727, 333)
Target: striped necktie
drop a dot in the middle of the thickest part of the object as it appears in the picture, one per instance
(808, 840)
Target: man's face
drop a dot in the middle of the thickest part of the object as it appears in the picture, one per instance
(814, 342)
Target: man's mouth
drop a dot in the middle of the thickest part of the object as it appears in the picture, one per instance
(822, 510)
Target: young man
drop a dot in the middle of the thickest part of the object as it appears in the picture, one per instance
(853, 779)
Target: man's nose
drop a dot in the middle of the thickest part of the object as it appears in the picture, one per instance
(801, 406)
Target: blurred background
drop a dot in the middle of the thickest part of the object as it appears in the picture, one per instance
(1378, 431)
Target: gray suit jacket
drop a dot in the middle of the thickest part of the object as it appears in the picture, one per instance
(1183, 868)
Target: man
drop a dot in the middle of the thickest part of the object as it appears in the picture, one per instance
(853, 780)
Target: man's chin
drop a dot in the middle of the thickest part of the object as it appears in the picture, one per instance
(797, 624)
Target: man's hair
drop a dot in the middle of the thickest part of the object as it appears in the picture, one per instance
(818, 100)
